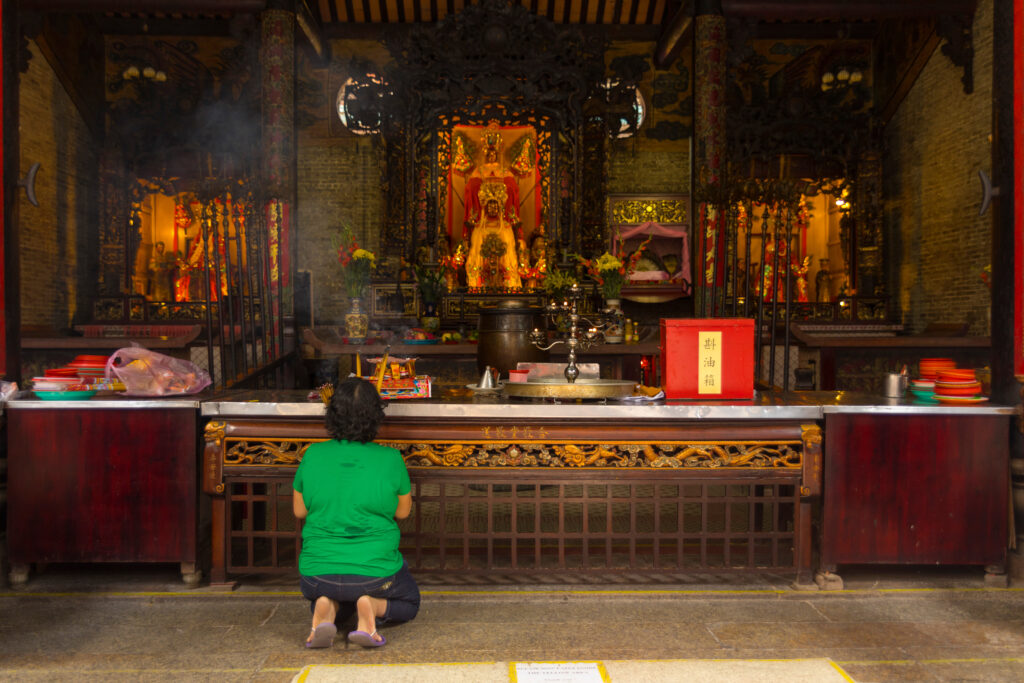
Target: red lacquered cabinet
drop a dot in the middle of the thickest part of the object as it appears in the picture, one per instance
(97, 484)
(916, 489)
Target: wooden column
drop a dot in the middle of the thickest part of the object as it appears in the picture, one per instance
(709, 139)
(277, 60)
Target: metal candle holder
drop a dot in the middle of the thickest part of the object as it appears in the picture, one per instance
(575, 338)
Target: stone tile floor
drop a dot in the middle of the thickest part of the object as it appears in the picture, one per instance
(139, 623)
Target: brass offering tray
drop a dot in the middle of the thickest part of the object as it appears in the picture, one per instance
(581, 388)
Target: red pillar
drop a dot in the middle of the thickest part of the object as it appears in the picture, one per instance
(10, 315)
(3, 203)
(709, 139)
(277, 60)
(1017, 194)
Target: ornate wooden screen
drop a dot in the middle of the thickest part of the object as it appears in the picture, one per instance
(491, 61)
(642, 498)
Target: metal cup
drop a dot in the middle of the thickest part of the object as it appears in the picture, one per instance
(895, 385)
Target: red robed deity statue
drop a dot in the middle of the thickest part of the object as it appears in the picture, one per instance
(499, 203)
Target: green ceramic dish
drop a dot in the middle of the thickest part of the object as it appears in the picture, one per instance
(65, 395)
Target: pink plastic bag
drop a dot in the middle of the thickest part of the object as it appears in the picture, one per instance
(148, 373)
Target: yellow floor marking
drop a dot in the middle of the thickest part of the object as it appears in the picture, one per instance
(608, 670)
(902, 662)
(597, 592)
(839, 670)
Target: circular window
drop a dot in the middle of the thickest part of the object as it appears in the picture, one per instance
(627, 108)
(359, 104)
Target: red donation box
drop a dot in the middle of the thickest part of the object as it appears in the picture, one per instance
(707, 358)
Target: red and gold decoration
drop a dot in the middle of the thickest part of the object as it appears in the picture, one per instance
(493, 186)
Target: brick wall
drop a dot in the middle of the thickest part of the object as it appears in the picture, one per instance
(338, 184)
(643, 167)
(644, 164)
(58, 237)
(935, 145)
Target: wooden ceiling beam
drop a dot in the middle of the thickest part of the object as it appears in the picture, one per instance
(132, 26)
(310, 27)
(145, 6)
(845, 10)
(815, 30)
(888, 109)
(675, 36)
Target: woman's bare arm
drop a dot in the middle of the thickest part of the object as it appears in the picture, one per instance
(404, 506)
(298, 505)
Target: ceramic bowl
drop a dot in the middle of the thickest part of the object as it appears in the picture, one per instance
(65, 395)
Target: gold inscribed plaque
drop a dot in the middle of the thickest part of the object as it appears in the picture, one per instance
(709, 362)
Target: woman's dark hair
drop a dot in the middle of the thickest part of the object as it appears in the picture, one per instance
(355, 411)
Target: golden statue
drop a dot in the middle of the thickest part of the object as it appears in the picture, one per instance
(493, 258)
(492, 208)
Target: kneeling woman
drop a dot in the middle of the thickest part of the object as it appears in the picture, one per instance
(351, 491)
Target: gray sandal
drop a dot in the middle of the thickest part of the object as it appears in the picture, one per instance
(323, 635)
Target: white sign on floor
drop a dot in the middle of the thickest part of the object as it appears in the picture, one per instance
(560, 672)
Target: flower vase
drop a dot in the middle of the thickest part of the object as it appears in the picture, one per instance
(429, 321)
(356, 322)
(613, 331)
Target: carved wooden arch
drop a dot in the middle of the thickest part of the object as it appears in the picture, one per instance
(492, 61)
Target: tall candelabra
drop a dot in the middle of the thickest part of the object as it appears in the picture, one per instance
(574, 338)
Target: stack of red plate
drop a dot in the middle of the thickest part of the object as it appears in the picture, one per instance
(931, 367)
(89, 367)
(957, 386)
(61, 372)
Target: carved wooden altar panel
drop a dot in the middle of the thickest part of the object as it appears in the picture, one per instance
(541, 495)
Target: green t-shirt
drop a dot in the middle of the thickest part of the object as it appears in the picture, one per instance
(351, 491)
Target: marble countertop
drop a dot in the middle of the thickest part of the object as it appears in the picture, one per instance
(462, 402)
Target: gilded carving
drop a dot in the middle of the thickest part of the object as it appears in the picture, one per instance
(514, 432)
(811, 434)
(215, 431)
(576, 455)
(486, 453)
(637, 211)
(275, 452)
(451, 455)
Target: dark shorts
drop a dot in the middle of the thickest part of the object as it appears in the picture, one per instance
(399, 589)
